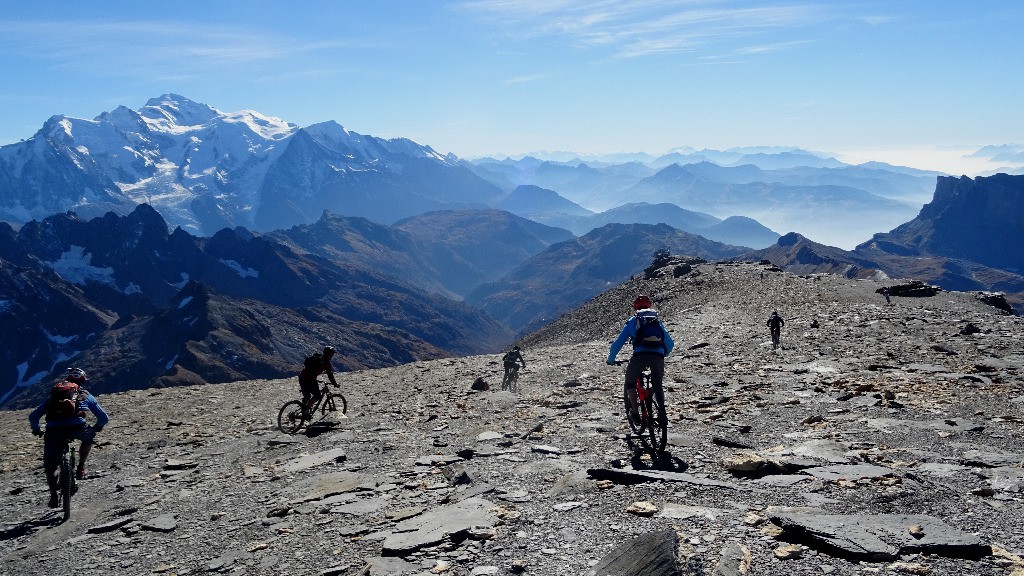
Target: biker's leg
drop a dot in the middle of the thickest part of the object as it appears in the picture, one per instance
(52, 449)
(86, 436)
(633, 370)
(657, 378)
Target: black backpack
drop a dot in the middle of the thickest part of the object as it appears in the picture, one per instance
(313, 362)
(649, 333)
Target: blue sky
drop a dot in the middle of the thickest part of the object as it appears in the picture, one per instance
(913, 82)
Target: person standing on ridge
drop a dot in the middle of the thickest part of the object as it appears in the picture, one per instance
(315, 365)
(65, 410)
(775, 324)
(651, 343)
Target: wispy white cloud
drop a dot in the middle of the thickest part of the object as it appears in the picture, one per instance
(646, 27)
(170, 48)
(778, 46)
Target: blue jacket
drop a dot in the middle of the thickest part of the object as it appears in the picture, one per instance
(85, 401)
(629, 333)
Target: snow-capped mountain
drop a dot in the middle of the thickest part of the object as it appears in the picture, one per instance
(204, 169)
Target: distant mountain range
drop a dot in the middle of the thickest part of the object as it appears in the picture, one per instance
(203, 170)
(140, 306)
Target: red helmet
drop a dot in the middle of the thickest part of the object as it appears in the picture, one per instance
(642, 301)
(76, 375)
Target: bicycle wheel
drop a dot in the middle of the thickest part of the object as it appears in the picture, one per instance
(291, 417)
(335, 397)
(658, 428)
(67, 476)
(636, 425)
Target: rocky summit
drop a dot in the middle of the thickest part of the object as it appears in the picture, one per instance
(881, 438)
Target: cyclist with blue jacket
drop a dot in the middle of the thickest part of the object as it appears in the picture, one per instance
(65, 410)
(651, 343)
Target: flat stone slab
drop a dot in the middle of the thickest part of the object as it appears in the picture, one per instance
(162, 523)
(879, 538)
(828, 451)
(781, 480)
(623, 476)
(946, 425)
(308, 461)
(324, 485)
(360, 507)
(683, 511)
(1006, 478)
(110, 526)
(992, 459)
(851, 472)
(433, 526)
(489, 435)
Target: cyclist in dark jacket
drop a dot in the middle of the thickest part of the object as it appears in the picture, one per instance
(645, 354)
(511, 361)
(62, 428)
(307, 377)
(775, 324)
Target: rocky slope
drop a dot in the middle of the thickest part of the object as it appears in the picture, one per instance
(885, 440)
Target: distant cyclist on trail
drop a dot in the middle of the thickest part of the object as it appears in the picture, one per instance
(651, 343)
(315, 365)
(65, 410)
(511, 360)
(775, 324)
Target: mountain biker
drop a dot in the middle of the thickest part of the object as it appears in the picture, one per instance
(314, 366)
(511, 368)
(65, 421)
(649, 350)
(775, 324)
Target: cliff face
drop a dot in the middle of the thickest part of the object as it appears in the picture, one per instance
(980, 219)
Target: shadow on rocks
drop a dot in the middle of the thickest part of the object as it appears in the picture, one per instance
(314, 430)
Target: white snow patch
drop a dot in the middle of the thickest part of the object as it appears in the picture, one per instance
(170, 363)
(184, 280)
(58, 339)
(132, 288)
(76, 267)
(243, 272)
(184, 302)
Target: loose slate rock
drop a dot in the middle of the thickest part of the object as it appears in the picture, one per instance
(162, 523)
(639, 476)
(736, 560)
(110, 526)
(313, 460)
(850, 472)
(878, 538)
(652, 554)
(433, 527)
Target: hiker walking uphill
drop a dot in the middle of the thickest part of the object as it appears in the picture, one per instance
(65, 410)
(511, 360)
(775, 324)
(315, 365)
(651, 343)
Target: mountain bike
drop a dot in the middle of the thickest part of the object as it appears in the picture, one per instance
(510, 381)
(67, 485)
(776, 336)
(294, 415)
(652, 417)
